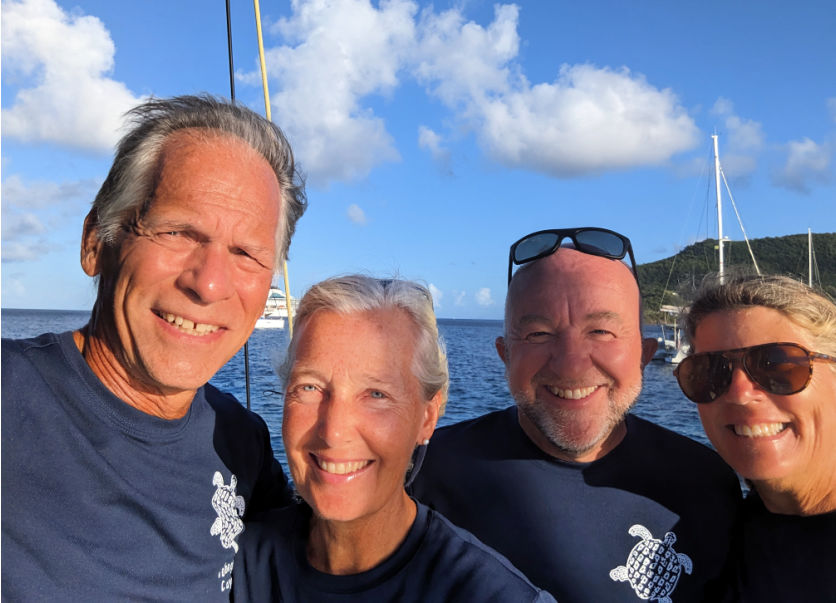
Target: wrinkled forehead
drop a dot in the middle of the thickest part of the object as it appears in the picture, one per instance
(574, 278)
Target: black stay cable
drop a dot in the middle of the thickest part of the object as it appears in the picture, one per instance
(232, 98)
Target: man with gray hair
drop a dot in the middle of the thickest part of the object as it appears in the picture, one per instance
(124, 474)
(588, 501)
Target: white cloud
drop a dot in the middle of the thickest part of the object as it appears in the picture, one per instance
(22, 224)
(737, 167)
(458, 298)
(22, 251)
(741, 142)
(483, 297)
(431, 141)
(589, 120)
(342, 51)
(744, 134)
(437, 295)
(356, 214)
(463, 62)
(16, 192)
(63, 60)
(722, 106)
(29, 234)
(339, 53)
(807, 163)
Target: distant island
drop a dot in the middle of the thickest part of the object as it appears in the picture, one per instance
(672, 280)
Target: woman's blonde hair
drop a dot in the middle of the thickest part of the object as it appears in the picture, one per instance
(810, 309)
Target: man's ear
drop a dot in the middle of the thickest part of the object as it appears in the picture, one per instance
(500, 349)
(91, 246)
(649, 347)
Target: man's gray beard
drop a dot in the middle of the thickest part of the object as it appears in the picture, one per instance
(551, 420)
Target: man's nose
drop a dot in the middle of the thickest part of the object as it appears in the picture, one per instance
(569, 352)
(208, 274)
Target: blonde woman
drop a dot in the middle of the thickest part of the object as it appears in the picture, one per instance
(763, 374)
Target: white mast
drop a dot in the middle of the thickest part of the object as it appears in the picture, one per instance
(719, 205)
(809, 258)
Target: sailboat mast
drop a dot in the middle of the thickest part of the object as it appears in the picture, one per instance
(719, 205)
(809, 258)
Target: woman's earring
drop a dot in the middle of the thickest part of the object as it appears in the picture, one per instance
(426, 441)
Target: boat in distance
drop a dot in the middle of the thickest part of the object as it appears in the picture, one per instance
(275, 310)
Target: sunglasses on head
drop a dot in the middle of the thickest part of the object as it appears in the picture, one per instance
(591, 240)
(778, 368)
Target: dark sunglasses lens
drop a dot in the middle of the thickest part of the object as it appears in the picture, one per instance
(597, 242)
(534, 246)
(704, 377)
(779, 369)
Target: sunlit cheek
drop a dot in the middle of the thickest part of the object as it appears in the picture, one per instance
(298, 426)
(819, 410)
(254, 288)
(526, 361)
(394, 432)
(710, 421)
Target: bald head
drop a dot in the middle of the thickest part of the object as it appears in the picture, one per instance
(568, 271)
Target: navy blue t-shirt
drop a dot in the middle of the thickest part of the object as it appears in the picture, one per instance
(436, 562)
(786, 557)
(102, 502)
(653, 518)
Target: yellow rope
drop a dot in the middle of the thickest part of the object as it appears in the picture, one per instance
(288, 300)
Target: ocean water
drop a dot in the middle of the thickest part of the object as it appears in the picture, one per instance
(477, 381)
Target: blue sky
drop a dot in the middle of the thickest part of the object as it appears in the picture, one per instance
(433, 135)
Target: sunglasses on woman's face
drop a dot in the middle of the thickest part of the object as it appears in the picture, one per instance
(591, 240)
(778, 368)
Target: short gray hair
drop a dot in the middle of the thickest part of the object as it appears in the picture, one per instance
(126, 193)
(359, 293)
(810, 309)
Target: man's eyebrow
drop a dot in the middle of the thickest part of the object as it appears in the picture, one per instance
(163, 221)
(527, 319)
(252, 247)
(605, 315)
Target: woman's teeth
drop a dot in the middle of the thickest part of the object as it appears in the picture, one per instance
(760, 430)
(341, 468)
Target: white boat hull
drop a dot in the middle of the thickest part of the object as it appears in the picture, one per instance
(270, 323)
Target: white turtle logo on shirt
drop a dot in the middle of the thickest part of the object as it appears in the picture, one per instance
(653, 566)
(230, 508)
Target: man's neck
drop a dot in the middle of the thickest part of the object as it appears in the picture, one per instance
(106, 366)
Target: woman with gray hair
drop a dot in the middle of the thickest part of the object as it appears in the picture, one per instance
(763, 374)
(365, 382)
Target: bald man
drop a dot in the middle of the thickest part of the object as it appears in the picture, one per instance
(590, 502)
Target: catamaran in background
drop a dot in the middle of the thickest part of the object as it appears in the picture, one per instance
(276, 310)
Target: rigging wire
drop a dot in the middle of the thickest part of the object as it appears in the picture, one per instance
(740, 222)
(232, 98)
(229, 50)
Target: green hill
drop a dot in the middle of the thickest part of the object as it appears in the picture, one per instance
(775, 255)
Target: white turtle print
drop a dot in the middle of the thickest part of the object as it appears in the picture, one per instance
(653, 566)
(230, 508)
